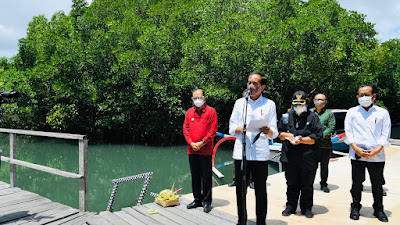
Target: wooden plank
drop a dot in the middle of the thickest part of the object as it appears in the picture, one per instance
(172, 216)
(83, 151)
(13, 155)
(197, 217)
(4, 185)
(157, 217)
(128, 218)
(79, 220)
(213, 212)
(40, 168)
(26, 205)
(143, 218)
(114, 219)
(71, 217)
(43, 134)
(18, 199)
(97, 220)
(9, 191)
(202, 215)
(23, 210)
(46, 214)
(186, 214)
(56, 215)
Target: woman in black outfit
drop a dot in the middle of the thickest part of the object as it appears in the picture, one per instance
(300, 152)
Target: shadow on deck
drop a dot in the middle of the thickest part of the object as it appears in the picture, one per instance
(22, 207)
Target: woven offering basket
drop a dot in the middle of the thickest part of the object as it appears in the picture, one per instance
(167, 203)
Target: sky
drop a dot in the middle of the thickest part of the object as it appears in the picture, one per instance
(15, 16)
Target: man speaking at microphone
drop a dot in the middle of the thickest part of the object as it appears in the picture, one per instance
(259, 108)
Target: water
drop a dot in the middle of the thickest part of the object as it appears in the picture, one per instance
(395, 132)
(105, 162)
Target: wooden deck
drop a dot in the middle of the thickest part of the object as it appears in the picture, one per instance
(22, 207)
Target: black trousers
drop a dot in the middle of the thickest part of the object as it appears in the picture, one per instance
(324, 164)
(300, 177)
(259, 171)
(234, 175)
(375, 170)
(201, 170)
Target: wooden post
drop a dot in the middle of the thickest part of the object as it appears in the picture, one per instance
(83, 148)
(13, 155)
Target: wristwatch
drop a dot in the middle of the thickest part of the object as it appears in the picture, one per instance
(203, 142)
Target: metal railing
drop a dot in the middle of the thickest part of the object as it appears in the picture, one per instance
(83, 148)
(147, 176)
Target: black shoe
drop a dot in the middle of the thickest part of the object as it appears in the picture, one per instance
(232, 184)
(325, 189)
(241, 223)
(193, 205)
(251, 185)
(381, 216)
(288, 211)
(206, 207)
(354, 213)
(307, 213)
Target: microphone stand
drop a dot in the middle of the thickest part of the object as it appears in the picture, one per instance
(243, 165)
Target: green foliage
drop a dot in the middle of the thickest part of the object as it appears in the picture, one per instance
(124, 70)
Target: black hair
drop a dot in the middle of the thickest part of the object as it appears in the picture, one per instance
(367, 85)
(204, 94)
(326, 98)
(263, 80)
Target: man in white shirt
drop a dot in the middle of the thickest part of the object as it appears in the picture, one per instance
(257, 153)
(367, 129)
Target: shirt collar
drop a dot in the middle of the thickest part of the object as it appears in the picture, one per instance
(322, 110)
(373, 107)
(202, 108)
(257, 100)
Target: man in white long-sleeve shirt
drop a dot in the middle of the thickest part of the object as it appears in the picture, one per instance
(367, 129)
(257, 153)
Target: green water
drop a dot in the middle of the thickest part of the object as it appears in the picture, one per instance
(395, 132)
(105, 163)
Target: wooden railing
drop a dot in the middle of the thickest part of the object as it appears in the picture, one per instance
(83, 148)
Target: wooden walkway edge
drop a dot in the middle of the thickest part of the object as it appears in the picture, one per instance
(22, 207)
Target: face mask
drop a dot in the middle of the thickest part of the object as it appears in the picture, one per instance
(198, 103)
(319, 103)
(365, 101)
(300, 109)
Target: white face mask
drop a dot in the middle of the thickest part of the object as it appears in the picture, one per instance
(300, 109)
(198, 103)
(365, 101)
(319, 103)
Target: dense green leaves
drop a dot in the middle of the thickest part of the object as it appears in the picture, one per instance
(124, 70)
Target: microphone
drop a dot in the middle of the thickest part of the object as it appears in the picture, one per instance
(248, 93)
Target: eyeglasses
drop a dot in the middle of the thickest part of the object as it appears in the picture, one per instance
(362, 95)
(319, 99)
(196, 98)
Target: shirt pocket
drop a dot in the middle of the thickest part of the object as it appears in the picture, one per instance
(377, 124)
